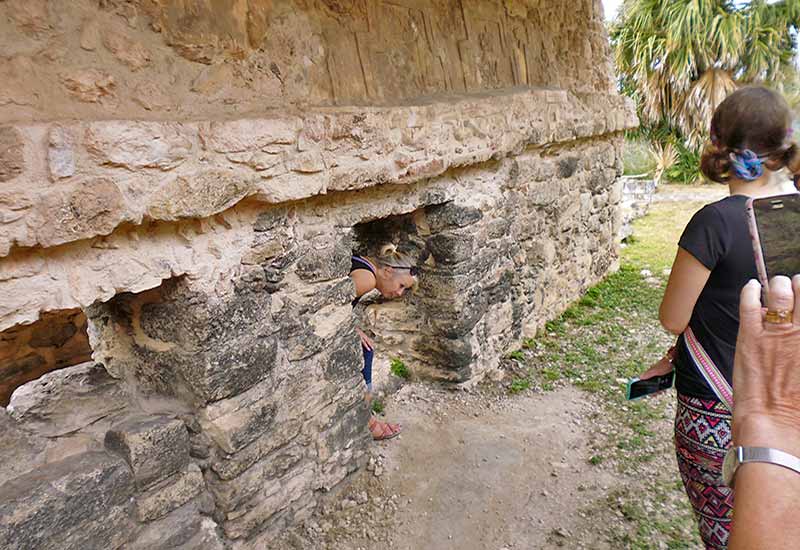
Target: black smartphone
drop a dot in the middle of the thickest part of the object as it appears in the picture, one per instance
(642, 388)
(774, 222)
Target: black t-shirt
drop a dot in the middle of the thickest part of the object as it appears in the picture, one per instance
(718, 236)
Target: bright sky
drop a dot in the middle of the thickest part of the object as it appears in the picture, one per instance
(611, 6)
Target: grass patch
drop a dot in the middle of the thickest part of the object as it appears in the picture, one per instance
(517, 355)
(399, 369)
(607, 336)
(519, 385)
(377, 406)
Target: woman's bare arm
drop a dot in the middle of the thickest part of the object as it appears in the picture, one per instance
(686, 282)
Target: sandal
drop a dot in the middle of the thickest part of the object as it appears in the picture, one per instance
(383, 430)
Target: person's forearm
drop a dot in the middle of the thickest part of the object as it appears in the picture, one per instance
(766, 496)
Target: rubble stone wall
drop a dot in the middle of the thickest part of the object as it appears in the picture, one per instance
(183, 184)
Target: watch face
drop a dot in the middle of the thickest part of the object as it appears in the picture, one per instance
(729, 465)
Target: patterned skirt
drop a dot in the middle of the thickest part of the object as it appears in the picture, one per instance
(702, 436)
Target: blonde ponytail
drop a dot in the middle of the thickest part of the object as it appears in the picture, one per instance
(390, 256)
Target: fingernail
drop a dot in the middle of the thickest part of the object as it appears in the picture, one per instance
(754, 282)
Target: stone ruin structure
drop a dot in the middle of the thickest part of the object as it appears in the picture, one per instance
(181, 186)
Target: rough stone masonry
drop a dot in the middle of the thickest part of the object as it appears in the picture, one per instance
(181, 187)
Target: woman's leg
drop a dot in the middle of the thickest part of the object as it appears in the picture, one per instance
(702, 435)
(366, 372)
(379, 430)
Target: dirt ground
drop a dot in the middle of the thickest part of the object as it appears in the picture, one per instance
(485, 470)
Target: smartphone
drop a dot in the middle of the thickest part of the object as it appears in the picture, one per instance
(641, 388)
(774, 222)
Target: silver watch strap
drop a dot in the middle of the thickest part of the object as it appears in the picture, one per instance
(771, 456)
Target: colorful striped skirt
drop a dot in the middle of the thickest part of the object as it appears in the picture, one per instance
(702, 436)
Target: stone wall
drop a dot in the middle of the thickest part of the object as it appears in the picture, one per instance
(191, 178)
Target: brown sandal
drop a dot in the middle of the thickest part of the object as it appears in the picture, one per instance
(384, 429)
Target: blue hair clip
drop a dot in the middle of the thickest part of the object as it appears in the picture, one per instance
(746, 165)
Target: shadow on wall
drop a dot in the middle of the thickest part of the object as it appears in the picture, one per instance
(57, 340)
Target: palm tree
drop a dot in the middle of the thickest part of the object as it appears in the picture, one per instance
(680, 58)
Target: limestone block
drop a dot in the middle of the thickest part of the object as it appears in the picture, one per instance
(89, 85)
(236, 422)
(32, 17)
(68, 400)
(325, 257)
(451, 248)
(451, 216)
(20, 452)
(154, 448)
(285, 430)
(232, 494)
(230, 370)
(80, 502)
(87, 208)
(182, 528)
(199, 195)
(12, 160)
(90, 35)
(138, 144)
(126, 50)
(170, 494)
(249, 134)
(61, 152)
(293, 489)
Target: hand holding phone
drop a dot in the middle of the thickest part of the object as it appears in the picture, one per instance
(774, 223)
(659, 377)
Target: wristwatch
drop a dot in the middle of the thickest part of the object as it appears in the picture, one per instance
(742, 455)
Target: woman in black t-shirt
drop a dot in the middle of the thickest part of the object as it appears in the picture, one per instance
(750, 139)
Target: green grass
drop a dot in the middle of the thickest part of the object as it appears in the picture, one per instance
(377, 406)
(399, 369)
(517, 355)
(609, 335)
(519, 385)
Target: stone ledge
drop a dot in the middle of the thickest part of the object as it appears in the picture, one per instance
(80, 180)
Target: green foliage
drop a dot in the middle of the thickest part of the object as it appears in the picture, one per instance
(679, 59)
(686, 169)
(596, 460)
(519, 385)
(517, 355)
(399, 369)
(377, 406)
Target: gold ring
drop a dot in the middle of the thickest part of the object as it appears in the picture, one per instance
(778, 317)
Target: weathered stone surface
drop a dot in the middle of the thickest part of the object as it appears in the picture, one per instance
(139, 144)
(155, 448)
(170, 494)
(293, 489)
(80, 502)
(199, 195)
(128, 51)
(181, 528)
(250, 134)
(12, 161)
(90, 35)
(235, 422)
(89, 85)
(68, 400)
(20, 452)
(61, 153)
(232, 494)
